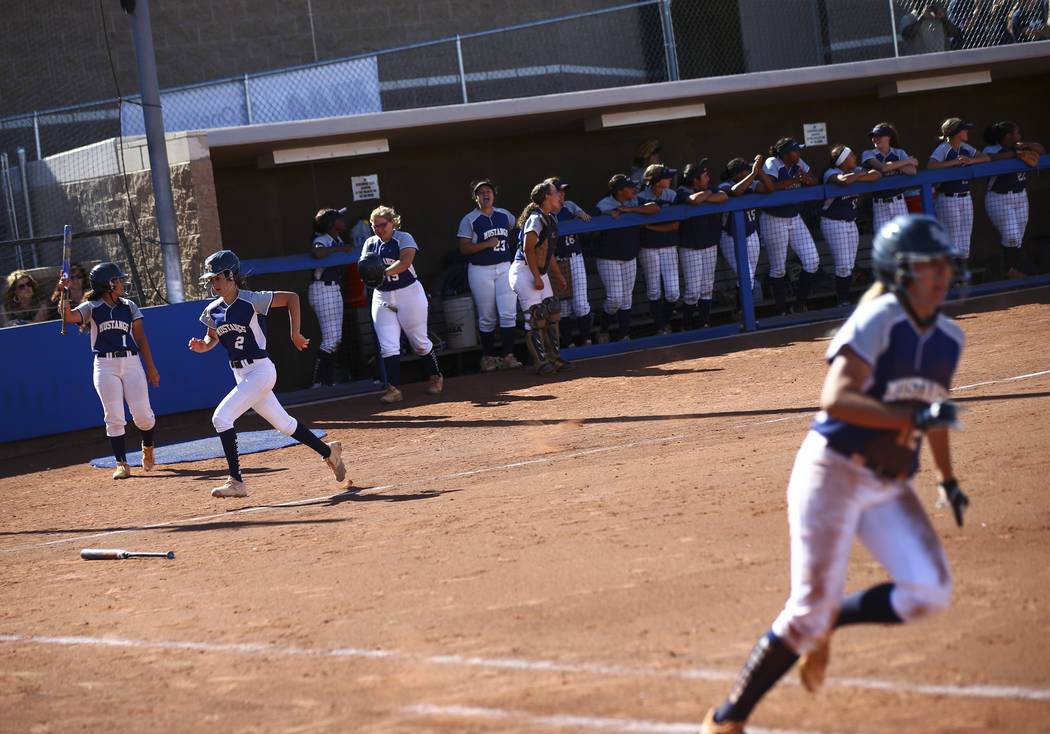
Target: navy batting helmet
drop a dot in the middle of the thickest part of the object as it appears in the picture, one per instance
(907, 239)
(218, 263)
(372, 269)
(102, 276)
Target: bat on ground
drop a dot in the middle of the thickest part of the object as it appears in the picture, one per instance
(67, 251)
(109, 554)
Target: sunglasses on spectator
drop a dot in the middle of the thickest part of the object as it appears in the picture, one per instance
(23, 285)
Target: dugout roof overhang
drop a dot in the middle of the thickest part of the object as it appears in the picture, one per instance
(428, 126)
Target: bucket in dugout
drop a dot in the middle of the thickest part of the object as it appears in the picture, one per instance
(461, 322)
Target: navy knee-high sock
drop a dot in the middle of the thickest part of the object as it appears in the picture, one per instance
(305, 436)
(623, 316)
(393, 370)
(768, 662)
(507, 335)
(870, 605)
(229, 447)
(430, 364)
(488, 343)
(119, 447)
(147, 437)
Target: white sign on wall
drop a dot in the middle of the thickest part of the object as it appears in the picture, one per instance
(365, 187)
(815, 133)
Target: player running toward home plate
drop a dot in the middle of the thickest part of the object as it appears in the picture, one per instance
(237, 320)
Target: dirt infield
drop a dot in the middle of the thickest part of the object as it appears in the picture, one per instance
(596, 552)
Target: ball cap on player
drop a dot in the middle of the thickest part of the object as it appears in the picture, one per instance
(483, 182)
(557, 183)
(694, 170)
(953, 125)
(788, 145)
(620, 181)
(325, 218)
(880, 131)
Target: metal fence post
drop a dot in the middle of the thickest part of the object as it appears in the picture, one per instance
(247, 99)
(25, 194)
(36, 135)
(670, 48)
(893, 29)
(462, 76)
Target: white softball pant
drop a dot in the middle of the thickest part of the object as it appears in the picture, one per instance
(327, 303)
(842, 237)
(883, 211)
(578, 305)
(956, 214)
(728, 247)
(493, 296)
(618, 277)
(1009, 214)
(780, 232)
(832, 500)
(660, 264)
(409, 314)
(698, 273)
(118, 379)
(524, 286)
(254, 389)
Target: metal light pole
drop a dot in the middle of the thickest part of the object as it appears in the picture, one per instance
(146, 62)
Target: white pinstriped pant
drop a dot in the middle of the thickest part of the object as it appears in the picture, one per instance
(618, 277)
(327, 303)
(956, 214)
(493, 296)
(578, 305)
(254, 389)
(117, 379)
(660, 264)
(1009, 214)
(728, 247)
(842, 237)
(698, 273)
(779, 232)
(884, 211)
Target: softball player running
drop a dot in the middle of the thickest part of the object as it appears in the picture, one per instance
(739, 178)
(399, 303)
(117, 337)
(324, 294)
(889, 160)
(568, 251)
(953, 205)
(838, 217)
(782, 226)
(891, 366)
(484, 239)
(659, 253)
(698, 245)
(617, 261)
(1007, 197)
(237, 320)
(529, 278)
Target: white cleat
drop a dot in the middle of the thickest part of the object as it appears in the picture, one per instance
(123, 470)
(230, 488)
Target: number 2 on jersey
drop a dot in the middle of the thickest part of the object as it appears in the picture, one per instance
(239, 343)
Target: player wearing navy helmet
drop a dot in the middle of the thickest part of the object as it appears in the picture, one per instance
(117, 338)
(838, 217)
(891, 366)
(236, 319)
(953, 205)
(1007, 197)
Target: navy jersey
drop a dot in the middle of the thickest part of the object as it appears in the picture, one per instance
(945, 152)
(895, 154)
(241, 325)
(478, 227)
(110, 325)
(750, 215)
(843, 208)
(390, 251)
(651, 238)
(907, 366)
(568, 244)
(778, 171)
(621, 243)
(1005, 183)
(329, 274)
(546, 229)
(701, 232)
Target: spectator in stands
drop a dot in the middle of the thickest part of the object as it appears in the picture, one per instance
(484, 238)
(21, 304)
(645, 155)
(981, 22)
(659, 253)
(927, 29)
(617, 255)
(698, 245)
(1029, 21)
(568, 251)
(77, 276)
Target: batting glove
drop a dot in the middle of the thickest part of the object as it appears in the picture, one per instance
(948, 493)
(942, 414)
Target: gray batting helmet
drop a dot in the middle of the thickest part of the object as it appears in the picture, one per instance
(102, 276)
(217, 263)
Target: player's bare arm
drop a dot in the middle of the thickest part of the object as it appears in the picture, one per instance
(843, 396)
(467, 247)
(403, 263)
(139, 333)
(532, 258)
(208, 342)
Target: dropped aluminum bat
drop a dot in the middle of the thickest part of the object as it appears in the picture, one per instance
(110, 554)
